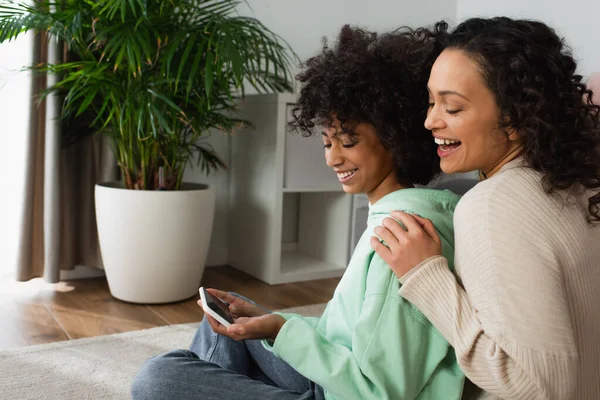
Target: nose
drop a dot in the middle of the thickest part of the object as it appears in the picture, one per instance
(333, 156)
(434, 120)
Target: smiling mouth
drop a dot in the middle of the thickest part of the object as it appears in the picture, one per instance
(346, 176)
(447, 142)
(446, 146)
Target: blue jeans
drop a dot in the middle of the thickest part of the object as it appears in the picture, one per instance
(217, 367)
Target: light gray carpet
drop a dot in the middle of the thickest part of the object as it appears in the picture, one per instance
(92, 368)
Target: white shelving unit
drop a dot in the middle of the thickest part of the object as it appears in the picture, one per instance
(290, 219)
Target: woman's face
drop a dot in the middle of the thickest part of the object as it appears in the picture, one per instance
(361, 162)
(463, 116)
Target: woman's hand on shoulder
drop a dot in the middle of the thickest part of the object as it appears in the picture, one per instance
(404, 249)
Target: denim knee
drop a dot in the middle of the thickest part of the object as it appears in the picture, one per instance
(158, 376)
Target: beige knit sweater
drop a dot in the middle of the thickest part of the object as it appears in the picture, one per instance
(524, 314)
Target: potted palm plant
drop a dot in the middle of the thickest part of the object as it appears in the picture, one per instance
(156, 77)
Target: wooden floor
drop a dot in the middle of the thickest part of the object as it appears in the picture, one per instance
(35, 312)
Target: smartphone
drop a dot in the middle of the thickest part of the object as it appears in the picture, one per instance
(216, 308)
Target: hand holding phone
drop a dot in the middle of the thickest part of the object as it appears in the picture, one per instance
(216, 308)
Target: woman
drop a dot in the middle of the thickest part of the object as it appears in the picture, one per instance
(524, 312)
(366, 96)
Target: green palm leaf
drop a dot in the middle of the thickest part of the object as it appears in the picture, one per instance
(154, 75)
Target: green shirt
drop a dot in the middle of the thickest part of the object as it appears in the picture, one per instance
(370, 343)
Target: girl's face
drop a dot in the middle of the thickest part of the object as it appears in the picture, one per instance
(361, 162)
(463, 116)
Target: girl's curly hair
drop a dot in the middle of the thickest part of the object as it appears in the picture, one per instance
(376, 79)
(532, 75)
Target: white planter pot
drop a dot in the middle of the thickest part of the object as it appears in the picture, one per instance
(154, 243)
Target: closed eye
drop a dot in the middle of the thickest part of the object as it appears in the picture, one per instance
(346, 146)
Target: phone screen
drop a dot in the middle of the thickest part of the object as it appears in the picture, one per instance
(218, 306)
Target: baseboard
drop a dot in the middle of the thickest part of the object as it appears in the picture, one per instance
(81, 272)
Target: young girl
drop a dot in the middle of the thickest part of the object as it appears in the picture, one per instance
(367, 97)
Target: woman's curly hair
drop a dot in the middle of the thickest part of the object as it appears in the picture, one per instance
(376, 79)
(533, 77)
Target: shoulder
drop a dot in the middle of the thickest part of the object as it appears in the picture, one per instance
(439, 199)
(512, 193)
(507, 216)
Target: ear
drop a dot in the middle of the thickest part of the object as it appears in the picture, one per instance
(593, 83)
(513, 135)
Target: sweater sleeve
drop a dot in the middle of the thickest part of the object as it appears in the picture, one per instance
(312, 321)
(419, 362)
(512, 333)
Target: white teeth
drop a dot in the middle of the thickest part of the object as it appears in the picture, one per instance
(343, 175)
(445, 141)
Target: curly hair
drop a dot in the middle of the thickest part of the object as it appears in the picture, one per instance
(532, 75)
(376, 79)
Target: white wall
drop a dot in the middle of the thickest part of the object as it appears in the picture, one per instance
(302, 24)
(576, 20)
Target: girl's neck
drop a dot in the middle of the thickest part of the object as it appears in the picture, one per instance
(387, 186)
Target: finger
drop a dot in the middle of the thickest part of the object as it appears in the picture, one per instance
(246, 310)
(427, 226)
(254, 328)
(215, 325)
(236, 329)
(388, 237)
(225, 296)
(244, 326)
(384, 252)
(395, 228)
(235, 336)
(240, 310)
(407, 220)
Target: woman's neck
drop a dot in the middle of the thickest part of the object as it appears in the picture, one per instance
(511, 155)
(387, 186)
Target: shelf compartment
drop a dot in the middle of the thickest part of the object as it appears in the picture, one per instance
(315, 235)
(296, 267)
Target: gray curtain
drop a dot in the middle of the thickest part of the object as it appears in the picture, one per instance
(58, 225)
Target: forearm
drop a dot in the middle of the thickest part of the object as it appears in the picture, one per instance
(312, 321)
(494, 362)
